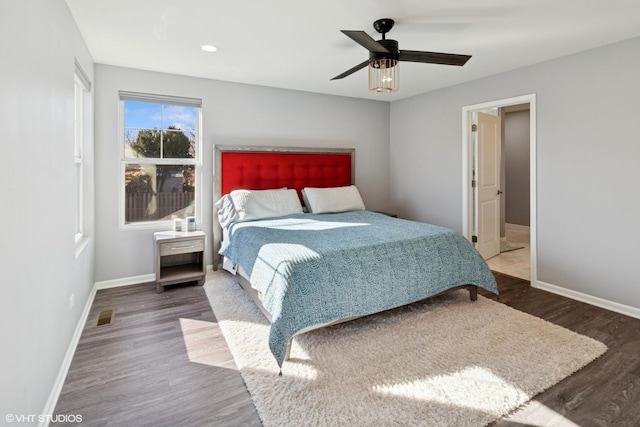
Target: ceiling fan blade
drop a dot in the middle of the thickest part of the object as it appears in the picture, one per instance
(365, 40)
(352, 70)
(433, 57)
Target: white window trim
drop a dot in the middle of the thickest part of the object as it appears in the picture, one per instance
(82, 85)
(197, 162)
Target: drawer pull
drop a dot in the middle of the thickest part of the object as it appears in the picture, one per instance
(182, 247)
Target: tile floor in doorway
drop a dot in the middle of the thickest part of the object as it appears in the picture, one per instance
(515, 263)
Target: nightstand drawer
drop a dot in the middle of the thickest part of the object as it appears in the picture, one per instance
(181, 247)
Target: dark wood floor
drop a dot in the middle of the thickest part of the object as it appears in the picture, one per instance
(164, 362)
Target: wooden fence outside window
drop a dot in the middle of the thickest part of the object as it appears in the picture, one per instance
(139, 206)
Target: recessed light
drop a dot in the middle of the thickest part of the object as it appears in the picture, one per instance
(209, 48)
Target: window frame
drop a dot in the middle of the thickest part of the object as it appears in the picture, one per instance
(124, 96)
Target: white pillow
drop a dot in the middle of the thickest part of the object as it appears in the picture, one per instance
(248, 205)
(226, 211)
(333, 199)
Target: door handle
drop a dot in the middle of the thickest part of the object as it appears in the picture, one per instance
(499, 192)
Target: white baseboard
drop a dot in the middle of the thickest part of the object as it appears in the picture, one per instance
(52, 401)
(517, 227)
(126, 281)
(627, 310)
(133, 280)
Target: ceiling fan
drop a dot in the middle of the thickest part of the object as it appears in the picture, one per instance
(384, 56)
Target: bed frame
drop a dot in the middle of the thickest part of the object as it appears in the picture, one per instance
(258, 168)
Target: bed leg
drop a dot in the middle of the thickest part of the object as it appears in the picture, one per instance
(473, 292)
(288, 353)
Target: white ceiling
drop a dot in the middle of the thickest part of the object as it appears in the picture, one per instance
(297, 44)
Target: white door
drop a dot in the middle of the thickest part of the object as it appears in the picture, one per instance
(488, 185)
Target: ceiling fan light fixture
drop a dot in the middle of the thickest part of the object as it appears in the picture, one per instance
(384, 75)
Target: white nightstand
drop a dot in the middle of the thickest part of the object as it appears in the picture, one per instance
(179, 257)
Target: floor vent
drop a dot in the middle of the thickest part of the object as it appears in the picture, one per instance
(105, 318)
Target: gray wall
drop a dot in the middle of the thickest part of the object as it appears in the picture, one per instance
(40, 268)
(517, 159)
(231, 114)
(587, 154)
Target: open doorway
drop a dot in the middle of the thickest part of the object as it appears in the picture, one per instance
(486, 221)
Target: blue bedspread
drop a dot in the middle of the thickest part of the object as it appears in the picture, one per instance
(316, 268)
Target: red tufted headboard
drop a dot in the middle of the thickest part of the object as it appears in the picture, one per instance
(261, 168)
(265, 170)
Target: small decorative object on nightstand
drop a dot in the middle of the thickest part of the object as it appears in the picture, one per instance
(179, 257)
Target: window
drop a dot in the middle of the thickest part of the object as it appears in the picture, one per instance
(82, 85)
(160, 142)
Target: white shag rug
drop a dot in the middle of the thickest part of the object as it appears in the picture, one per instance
(444, 362)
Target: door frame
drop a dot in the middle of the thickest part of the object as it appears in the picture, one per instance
(467, 168)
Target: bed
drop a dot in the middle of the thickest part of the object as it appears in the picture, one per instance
(337, 262)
